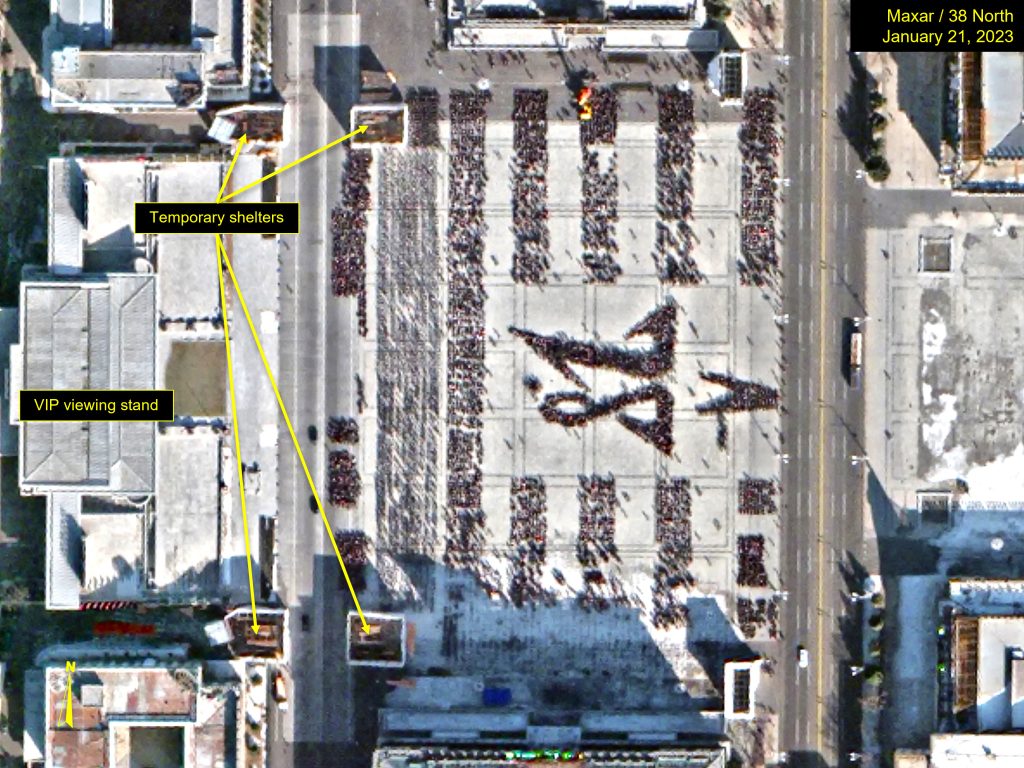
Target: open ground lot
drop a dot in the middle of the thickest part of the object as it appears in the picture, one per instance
(949, 385)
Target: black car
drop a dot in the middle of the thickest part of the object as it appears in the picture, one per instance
(312, 433)
(305, 622)
(313, 506)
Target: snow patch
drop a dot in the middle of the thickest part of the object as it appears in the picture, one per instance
(939, 425)
(1001, 480)
(933, 337)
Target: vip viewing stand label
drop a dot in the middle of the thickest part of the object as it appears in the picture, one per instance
(96, 405)
(217, 218)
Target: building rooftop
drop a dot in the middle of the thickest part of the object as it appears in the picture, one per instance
(695, 757)
(116, 56)
(631, 25)
(267, 643)
(1000, 650)
(990, 108)
(88, 334)
(1002, 84)
(155, 716)
(188, 528)
(118, 310)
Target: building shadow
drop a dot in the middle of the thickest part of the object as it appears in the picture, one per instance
(806, 759)
(336, 77)
(921, 94)
(567, 665)
(852, 114)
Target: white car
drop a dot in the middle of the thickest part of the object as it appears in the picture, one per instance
(803, 658)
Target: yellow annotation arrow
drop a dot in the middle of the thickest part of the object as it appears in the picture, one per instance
(234, 426)
(231, 168)
(282, 169)
(291, 431)
(69, 719)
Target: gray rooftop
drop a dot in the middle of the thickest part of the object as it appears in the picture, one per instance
(1003, 97)
(97, 334)
(188, 513)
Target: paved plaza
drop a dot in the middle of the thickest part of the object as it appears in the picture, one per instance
(721, 327)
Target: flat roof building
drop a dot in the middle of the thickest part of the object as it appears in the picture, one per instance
(989, 92)
(983, 719)
(167, 55)
(162, 711)
(136, 511)
(441, 757)
(614, 25)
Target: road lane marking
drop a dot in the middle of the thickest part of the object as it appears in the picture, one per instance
(288, 422)
(283, 168)
(819, 718)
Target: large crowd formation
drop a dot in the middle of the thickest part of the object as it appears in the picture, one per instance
(595, 542)
(354, 548)
(576, 408)
(343, 429)
(757, 496)
(759, 148)
(527, 539)
(600, 198)
(561, 351)
(348, 232)
(753, 613)
(409, 330)
(465, 332)
(673, 535)
(466, 328)
(424, 115)
(343, 484)
(751, 571)
(532, 256)
(742, 395)
(674, 187)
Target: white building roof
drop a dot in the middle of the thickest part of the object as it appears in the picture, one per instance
(88, 334)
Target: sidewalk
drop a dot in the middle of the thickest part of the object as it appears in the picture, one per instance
(758, 24)
(913, 88)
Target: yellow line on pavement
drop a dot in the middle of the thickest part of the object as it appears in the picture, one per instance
(822, 362)
(234, 430)
(291, 431)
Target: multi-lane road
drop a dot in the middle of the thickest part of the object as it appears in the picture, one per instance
(315, 53)
(824, 288)
(315, 45)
